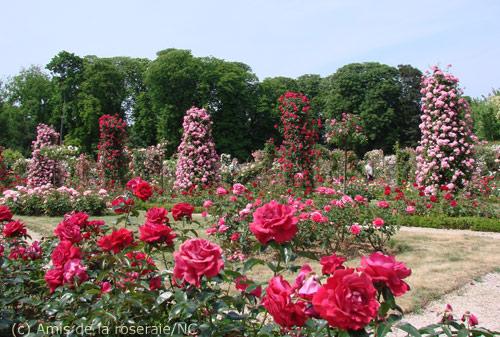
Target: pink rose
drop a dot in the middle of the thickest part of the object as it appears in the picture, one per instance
(157, 215)
(383, 204)
(74, 268)
(195, 258)
(378, 222)
(386, 270)
(355, 229)
(274, 221)
(238, 189)
(347, 301)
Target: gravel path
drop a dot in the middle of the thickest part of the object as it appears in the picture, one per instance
(481, 298)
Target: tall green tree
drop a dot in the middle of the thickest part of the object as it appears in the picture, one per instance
(67, 74)
(268, 114)
(312, 85)
(411, 102)
(172, 79)
(228, 90)
(137, 104)
(101, 92)
(28, 103)
(483, 110)
(372, 91)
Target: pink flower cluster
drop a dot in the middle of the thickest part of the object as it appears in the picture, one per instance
(112, 158)
(197, 162)
(445, 155)
(43, 170)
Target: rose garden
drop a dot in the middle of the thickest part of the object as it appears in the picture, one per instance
(294, 242)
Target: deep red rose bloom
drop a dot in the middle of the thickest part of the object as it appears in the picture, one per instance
(434, 198)
(68, 231)
(242, 284)
(157, 233)
(132, 184)
(278, 302)
(181, 210)
(80, 219)
(116, 241)
(154, 283)
(274, 221)
(347, 301)
(331, 264)
(5, 214)
(448, 196)
(385, 269)
(143, 191)
(121, 205)
(63, 252)
(453, 203)
(195, 258)
(14, 229)
(157, 215)
(54, 278)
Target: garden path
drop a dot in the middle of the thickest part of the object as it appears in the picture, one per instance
(481, 298)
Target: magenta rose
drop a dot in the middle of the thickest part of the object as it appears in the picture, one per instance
(274, 221)
(385, 269)
(143, 191)
(157, 233)
(279, 304)
(347, 301)
(195, 258)
(54, 278)
(14, 229)
(68, 231)
(378, 222)
(63, 252)
(331, 264)
(5, 214)
(132, 184)
(116, 241)
(182, 210)
(74, 269)
(157, 215)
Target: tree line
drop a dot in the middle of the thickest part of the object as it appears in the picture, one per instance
(152, 96)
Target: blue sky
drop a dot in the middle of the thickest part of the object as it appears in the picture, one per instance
(274, 37)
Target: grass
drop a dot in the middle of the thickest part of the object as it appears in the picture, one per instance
(440, 263)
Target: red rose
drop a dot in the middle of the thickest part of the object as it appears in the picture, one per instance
(182, 210)
(274, 221)
(132, 184)
(121, 205)
(157, 233)
(5, 214)
(157, 215)
(116, 241)
(433, 198)
(347, 301)
(54, 278)
(154, 283)
(195, 258)
(79, 219)
(143, 191)
(331, 264)
(278, 302)
(242, 284)
(453, 203)
(63, 252)
(385, 269)
(67, 231)
(14, 229)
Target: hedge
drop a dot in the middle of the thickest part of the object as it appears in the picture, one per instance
(471, 223)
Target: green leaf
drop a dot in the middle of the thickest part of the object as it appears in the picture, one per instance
(256, 247)
(463, 332)
(272, 266)
(308, 255)
(231, 273)
(251, 263)
(236, 317)
(163, 297)
(388, 297)
(408, 328)
(287, 252)
(383, 329)
(447, 331)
